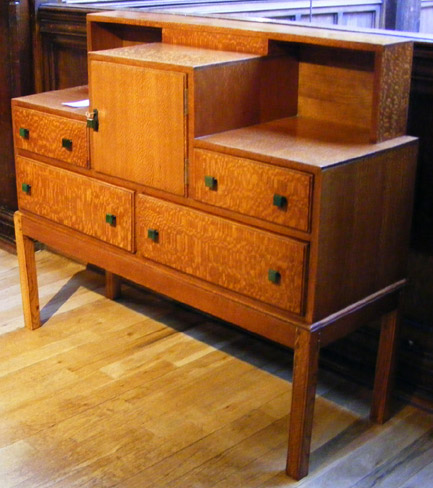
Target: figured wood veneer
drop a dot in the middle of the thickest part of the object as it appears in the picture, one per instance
(217, 250)
(141, 134)
(248, 187)
(76, 201)
(46, 132)
(214, 40)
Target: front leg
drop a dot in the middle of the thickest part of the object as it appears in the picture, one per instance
(28, 278)
(306, 363)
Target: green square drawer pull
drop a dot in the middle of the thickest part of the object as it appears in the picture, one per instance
(280, 201)
(274, 276)
(110, 219)
(24, 133)
(210, 182)
(153, 234)
(26, 188)
(67, 144)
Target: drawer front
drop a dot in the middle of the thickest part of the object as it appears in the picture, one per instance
(51, 135)
(95, 208)
(279, 195)
(255, 263)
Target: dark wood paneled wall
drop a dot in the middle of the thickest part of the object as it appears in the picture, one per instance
(16, 78)
(60, 57)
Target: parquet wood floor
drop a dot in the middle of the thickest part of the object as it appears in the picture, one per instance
(144, 393)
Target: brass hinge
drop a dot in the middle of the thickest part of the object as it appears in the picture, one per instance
(185, 101)
(93, 120)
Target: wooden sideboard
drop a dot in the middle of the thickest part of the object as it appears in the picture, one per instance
(260, 173)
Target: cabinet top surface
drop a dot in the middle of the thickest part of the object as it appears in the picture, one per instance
(52, 101)
(289, 33)
(299, 140)
(169, 54)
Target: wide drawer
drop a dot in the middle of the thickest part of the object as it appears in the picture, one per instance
(51, 135)
(249, 261)
(276, 194)
(84, 204)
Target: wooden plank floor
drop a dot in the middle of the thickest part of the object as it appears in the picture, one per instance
(144, 393)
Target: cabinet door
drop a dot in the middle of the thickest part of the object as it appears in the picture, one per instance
(141, 135)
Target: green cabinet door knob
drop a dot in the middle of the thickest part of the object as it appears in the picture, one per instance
(274, 276)
(26, 188)
(210, 182)
(67, 144)
(280, 201)
(153, 234)
(110, 219)
(24, 133)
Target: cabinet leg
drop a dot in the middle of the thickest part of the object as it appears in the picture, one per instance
(28, 278)
(305, 368)
(112, 285)
(385, 365)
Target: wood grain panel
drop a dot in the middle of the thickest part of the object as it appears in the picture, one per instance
(392, 95)
(217, 250)
(141, 134)
(46, 132)
(215, 40)
(248, 187)
(168, 56)
(230, 96)
(365, 217)
(336, 94)
(76, 201)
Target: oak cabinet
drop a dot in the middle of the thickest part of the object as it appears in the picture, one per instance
(258, 173)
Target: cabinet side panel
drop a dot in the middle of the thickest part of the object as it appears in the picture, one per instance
(236, 95)
(365, 217)
(141, 134)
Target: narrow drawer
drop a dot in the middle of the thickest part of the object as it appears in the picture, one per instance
(51, 135)
(279, 195)
(255, 263)
(84, 204)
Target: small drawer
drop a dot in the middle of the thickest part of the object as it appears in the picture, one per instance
(90, 206)
(275, 194)
(249, 261)
(51, 135)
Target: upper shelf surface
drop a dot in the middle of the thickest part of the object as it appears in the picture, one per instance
(295, 33)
